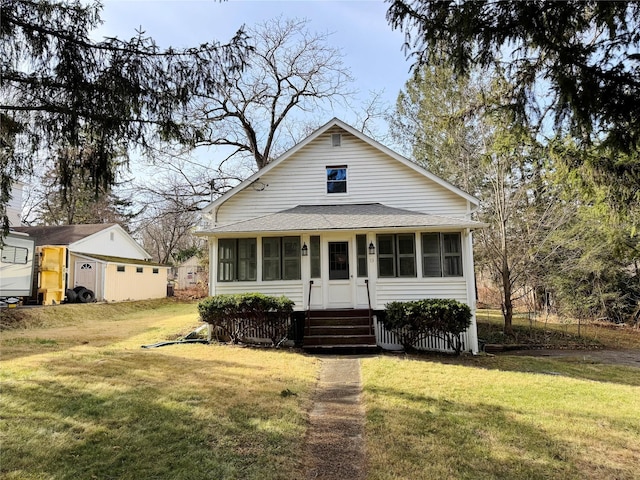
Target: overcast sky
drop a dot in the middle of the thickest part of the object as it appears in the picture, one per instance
(373, 52)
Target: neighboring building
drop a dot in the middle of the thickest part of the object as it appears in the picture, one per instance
(17, 265)
(189, 273)
(343, 222)
(103, 258)
(14, 207)
(16, 252)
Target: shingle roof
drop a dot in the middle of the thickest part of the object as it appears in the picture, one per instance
(62, 234)
(342, 217)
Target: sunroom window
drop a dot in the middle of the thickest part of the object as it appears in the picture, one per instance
(281, 258)
(441, 255)
(237, 259)
(396, 255)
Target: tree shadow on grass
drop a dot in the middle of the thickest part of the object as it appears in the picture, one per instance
(570, 367)
(425, 437)
(121, 417)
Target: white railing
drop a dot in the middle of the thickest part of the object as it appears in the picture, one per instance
(389, 341)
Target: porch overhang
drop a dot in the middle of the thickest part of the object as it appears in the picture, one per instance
(370, 216)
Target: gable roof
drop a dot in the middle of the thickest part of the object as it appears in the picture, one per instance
(343, 217)
(76, 237)
(62, 234)
(335, 122)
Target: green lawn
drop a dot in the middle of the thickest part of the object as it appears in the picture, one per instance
(87, 402)
(501, 418)
(80, 400)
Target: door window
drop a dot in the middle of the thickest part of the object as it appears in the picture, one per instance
(338, 260)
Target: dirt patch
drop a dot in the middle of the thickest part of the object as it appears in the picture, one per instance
(189, 294)
(334, 446)
(615, 357)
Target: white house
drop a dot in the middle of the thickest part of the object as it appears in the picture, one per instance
(103, 258)
(341, 222)
(14, 207)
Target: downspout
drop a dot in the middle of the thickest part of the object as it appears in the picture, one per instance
(471, 280)
(471, 291)
(215, 214)
(212, 242)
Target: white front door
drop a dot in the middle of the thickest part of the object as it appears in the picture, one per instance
(85, 275)
(340, 275)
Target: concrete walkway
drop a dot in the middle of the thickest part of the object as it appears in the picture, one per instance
(334, 447)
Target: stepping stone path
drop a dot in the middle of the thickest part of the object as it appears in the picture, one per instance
(334, 447)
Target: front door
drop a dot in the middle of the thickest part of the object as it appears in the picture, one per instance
(340, 288)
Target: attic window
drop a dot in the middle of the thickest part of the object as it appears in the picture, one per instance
(336, 139)
(112, 236)
(139, 269)
(120, 268)
(337, 179)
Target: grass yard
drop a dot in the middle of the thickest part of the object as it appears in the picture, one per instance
(80, 399)
(500, 418)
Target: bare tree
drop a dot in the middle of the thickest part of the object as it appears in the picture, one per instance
(165, 232)
(249, 121)
(186, 183)
(290, 69)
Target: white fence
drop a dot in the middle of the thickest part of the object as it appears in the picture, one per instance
(389, 341)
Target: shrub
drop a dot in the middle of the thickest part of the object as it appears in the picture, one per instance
(239, 316)
(415, 320)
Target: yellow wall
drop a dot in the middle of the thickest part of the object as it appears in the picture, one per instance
(130, 285)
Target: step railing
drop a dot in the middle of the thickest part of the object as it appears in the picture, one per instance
(366, 282)
(308, 322)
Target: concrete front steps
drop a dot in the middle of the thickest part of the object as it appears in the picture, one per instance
(339, 331)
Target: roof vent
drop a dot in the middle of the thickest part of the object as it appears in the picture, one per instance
(336, 139)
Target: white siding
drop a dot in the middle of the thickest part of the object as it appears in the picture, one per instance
(111, 242)
(372, 177)
(16, 278)
(400, 290)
